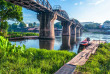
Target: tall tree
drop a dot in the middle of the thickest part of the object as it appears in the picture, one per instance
(35, 24)
(14, 26)
(22, 25)
(30, 25)
(9, 11)
(58, 25)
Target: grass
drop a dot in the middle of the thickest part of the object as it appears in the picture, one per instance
(21, 34)
(98, 63)
(19, 60)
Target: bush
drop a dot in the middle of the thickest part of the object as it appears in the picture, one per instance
(19, 60)
(21, 34)
(98, 63)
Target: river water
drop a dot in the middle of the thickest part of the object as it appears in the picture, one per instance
(70, 43)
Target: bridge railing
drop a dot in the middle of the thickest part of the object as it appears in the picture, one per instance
(44, 3)
(61, 13)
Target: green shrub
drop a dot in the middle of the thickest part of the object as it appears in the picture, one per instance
(21, 34)
(19, 60)
(98, 63)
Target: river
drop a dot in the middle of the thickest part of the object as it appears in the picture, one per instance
(69, 43)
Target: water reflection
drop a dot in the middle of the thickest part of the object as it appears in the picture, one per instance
(72, 41)
(65, 43)
(46, 44)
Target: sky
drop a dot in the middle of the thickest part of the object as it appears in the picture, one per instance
(82, 10)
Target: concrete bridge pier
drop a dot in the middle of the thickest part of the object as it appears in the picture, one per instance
(47, 25)
(66, 28)
(81, 31)
(73, 30)
(78, 31)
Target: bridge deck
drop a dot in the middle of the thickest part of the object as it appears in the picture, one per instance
(81, 58)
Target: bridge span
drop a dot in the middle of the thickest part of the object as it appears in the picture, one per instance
(47, 15)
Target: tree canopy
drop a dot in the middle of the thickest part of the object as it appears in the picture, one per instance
(9, 11)
(22, 25)
(30, 24)
(92, 26)
(35, 24)
(58, 25)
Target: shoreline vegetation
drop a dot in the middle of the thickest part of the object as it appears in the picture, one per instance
(17, 60)
(98, 63)
(19, 34)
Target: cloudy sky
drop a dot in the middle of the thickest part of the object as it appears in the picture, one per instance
(83, 10)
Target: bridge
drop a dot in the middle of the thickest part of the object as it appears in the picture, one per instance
(47, 15)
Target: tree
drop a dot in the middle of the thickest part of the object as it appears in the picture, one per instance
(14, 26)
(58, 25)
(22, 25)
(92, 26)
(4, 27)
(30, 25)
(10, 27)
(34, 24)
(9, 11)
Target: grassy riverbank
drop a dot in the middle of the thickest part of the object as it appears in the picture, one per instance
(21, 34)
(98, 63)
(19, 60)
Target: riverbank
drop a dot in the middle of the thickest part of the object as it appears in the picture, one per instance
(98, 63)
(32, 61)
(21, 34)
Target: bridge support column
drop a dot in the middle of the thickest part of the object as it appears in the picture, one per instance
(73, 30)
(47, 25)
(66, 28)
(78, 31)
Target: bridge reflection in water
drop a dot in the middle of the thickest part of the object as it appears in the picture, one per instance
(68, 43)
(46, 44)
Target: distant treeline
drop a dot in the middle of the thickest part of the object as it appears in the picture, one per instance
(92, 26)
(21, 26)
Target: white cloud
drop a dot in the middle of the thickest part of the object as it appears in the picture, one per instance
(81, 3)
(97, 2)
(75, 3)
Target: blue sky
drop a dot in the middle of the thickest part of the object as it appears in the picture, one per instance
(83, 10)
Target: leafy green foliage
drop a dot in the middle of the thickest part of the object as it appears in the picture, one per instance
(98, 63)
(34, 24)
(30, 24)
(19, 60)
(22, 25)
(21, 34)
(92, 26)
(58, 25)
(9, 11)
